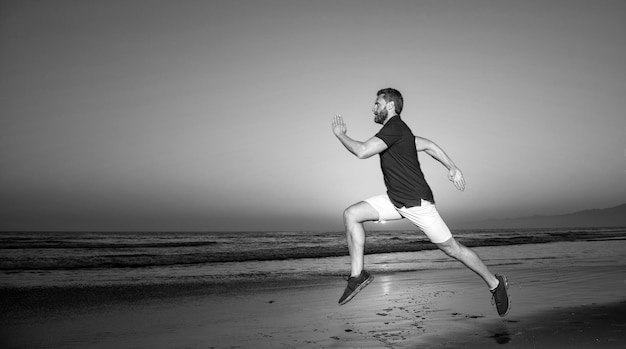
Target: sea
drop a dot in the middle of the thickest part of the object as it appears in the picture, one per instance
(87, 259)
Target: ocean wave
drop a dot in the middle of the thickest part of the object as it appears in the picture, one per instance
(104, 251)
(55, 244)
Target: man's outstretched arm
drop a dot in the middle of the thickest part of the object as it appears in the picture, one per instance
(362, 150)
(454, 173)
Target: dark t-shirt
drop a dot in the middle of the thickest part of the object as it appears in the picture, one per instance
(404, 179)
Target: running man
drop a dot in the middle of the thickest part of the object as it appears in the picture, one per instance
(408, 196)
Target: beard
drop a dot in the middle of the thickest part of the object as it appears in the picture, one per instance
(381, 116)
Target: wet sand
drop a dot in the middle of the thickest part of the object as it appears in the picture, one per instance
(559, 307)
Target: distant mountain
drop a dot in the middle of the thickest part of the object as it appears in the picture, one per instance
(608, 217)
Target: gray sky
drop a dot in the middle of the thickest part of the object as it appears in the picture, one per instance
(200, 115)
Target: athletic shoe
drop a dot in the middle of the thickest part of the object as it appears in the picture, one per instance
(501, 296)
(355, 285)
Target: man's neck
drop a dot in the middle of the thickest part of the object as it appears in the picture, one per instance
(389, 118)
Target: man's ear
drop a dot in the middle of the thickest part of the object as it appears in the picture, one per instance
(391, 106)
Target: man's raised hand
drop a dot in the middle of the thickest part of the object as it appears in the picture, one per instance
(339, 127)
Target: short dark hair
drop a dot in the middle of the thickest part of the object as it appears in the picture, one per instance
(392, 95)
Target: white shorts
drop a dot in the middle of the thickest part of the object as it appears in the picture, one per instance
(424, 217)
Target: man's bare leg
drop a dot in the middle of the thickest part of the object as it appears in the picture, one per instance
(353, 218)
(470, 259)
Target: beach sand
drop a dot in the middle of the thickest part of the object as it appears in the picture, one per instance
(559, 307)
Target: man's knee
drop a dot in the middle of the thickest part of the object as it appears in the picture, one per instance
(351, 214)
(359, 213)
(450, 247)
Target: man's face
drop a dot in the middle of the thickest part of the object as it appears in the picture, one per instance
(380, 110)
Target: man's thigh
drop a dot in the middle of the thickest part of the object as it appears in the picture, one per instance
(385, 210)
(429, 221)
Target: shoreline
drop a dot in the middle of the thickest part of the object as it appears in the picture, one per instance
(16, 301)
(555, 306)
(185, 277)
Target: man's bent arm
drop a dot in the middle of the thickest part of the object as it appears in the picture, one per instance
(454, 173)
(432, 149)
(362, 150)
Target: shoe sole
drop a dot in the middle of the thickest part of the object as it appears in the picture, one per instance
(357, 290)
(508, 297)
